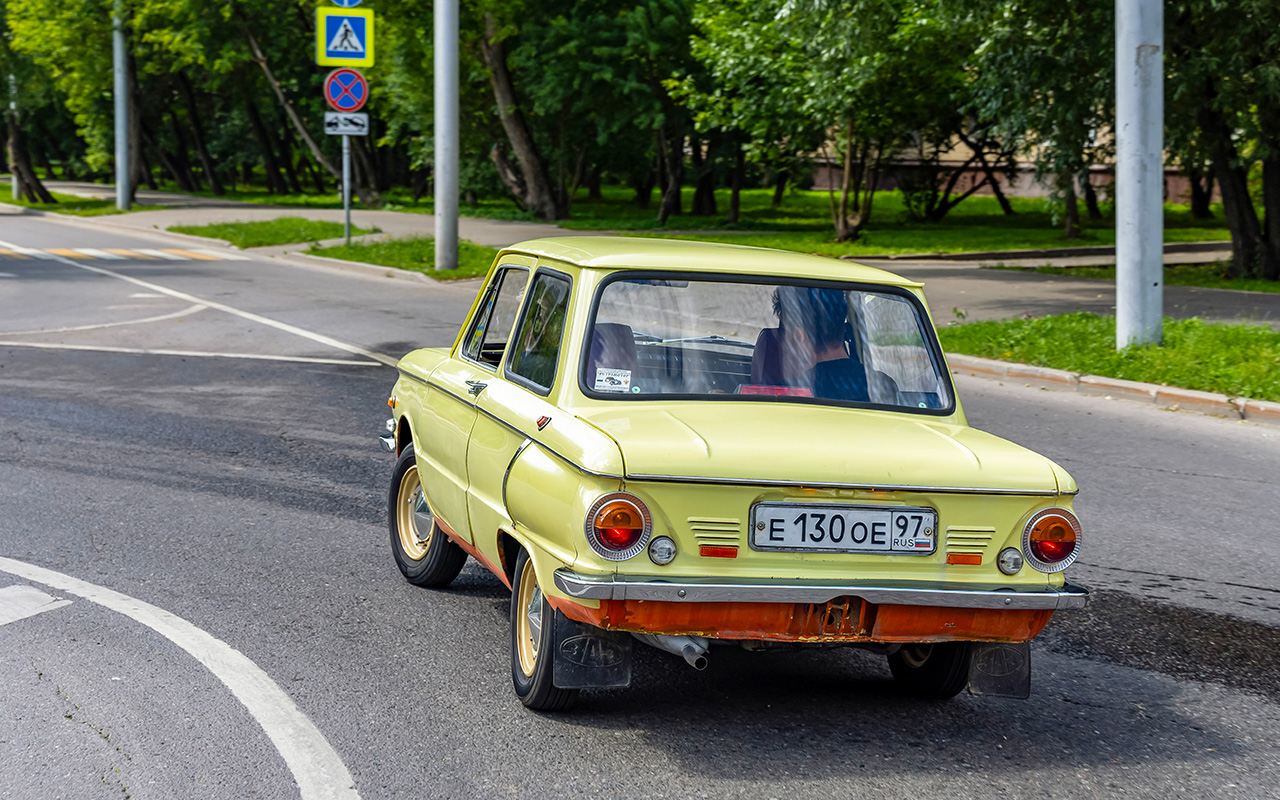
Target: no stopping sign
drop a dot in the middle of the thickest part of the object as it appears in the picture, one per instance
(346, 90)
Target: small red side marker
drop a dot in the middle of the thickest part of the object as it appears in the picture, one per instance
(543, 422)
(712, 551)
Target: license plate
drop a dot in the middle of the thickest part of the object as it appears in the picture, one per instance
(807, 527)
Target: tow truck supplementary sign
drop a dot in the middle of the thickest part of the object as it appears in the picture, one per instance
(337, 124)
(344, 37)
(346, 90)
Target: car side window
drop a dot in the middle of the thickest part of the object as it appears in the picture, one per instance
(538, 338)
(487, 339)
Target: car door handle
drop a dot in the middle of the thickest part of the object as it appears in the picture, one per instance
(476, 387)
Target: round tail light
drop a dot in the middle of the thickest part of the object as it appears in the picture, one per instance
(618, 526)
(1051, 539)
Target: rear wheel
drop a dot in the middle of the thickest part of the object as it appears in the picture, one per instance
(532, 643)
(937, 671)
(424, 554)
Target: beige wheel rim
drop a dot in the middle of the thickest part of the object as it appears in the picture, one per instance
(528, 620)
(412, 516)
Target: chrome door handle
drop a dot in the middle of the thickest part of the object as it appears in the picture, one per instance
(476, 387)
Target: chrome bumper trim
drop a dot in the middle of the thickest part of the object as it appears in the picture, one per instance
(623, 588)
(870, 487)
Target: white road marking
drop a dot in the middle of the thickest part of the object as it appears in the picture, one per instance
(7, 275)
(188, 353)
(316, 767)
(161, 254)
(183, 313)
(21, 601)
(284, 326)
(27, 251)
(89, 251)
(222, 254)
(145, 294)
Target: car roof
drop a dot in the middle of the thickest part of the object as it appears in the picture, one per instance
(632, 252)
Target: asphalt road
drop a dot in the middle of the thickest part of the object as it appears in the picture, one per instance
(205, 490)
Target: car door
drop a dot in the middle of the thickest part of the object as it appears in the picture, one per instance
(512, 406)
(455, 384)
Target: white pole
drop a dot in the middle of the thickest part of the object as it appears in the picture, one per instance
(123, 180)
(13, 109)
(446, 133)
(1139, 172)
(346, 185)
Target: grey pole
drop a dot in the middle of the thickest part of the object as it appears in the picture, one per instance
(13, 109)
(346, 185)
(1139, 172)
(446, 133)
(123, 180)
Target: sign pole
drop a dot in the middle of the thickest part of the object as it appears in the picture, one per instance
(446, 133)
(1139, 172)
(13, 109)
(346, 186)
(124, 182)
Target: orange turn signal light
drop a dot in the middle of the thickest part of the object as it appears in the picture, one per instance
(619, 524)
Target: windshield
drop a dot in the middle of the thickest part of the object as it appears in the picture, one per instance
(704, 339)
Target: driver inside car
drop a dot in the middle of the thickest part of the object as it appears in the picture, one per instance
(819, 343)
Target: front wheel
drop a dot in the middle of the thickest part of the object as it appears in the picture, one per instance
(936, 671)
(532, 643)
(424, 554)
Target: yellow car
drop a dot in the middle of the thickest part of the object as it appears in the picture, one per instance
(695, 445)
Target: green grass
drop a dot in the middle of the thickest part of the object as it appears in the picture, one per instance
(1235, 360)
(73, 205)
(1207, 276)
(286, 230)
(417, 255)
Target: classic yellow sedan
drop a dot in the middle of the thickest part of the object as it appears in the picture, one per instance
(696, 445)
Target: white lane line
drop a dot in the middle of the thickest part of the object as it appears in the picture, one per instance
(89, 251)
(161, 254)
(27, 251)
(317, 768)
(93, 348)
(21, 601)
(284, 326)
(7, 275)
(183, 313)
(222, 254)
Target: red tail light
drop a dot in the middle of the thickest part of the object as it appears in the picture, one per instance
(1050, 539)
(618, 526)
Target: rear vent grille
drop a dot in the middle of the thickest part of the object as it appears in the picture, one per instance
(716, 531)
(969, 540)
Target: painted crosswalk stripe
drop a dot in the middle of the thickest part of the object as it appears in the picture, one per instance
(120, 251)
(58, 251)
(103, 254)
(21, 601)
(167, 256)
(12, 254)
(190, 254)
(221, 255)
(26, 251)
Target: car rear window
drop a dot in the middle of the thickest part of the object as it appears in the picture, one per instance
(674, 336)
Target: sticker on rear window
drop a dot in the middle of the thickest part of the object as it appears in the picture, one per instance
(612, 380)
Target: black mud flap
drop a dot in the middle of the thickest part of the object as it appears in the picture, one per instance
(1001, 670)
(588, 657)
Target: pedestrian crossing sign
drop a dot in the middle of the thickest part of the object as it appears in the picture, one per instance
(344, 37)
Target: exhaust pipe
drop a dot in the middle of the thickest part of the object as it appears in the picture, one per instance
(693, 649)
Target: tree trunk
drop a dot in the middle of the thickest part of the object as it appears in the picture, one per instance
(166, 163)
(593, 184)
(735, 185)
(368, 197)
(643, 184)
(197, 132)
(980, 149)
(285, 143)
(672, 154)
(1271, 207)
(780, 187)
(1201, 192)
(1237, 206)
(1090, 197)
(180, 159)
(1070, 207)
(149, 174)
(704, 192)
(275, 185)
(29, 186)
(534, 190)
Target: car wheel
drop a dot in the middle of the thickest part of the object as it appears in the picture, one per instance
(532, 652)
(937, 671)
(424, 554)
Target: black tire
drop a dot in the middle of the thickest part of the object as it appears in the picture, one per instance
(427, 558)
(935, 671)
(532, 652)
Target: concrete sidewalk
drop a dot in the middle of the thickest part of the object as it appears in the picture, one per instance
(959, 289)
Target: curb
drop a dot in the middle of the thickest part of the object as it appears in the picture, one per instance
(1054, 252)
(1171, 397)
(359, 267)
